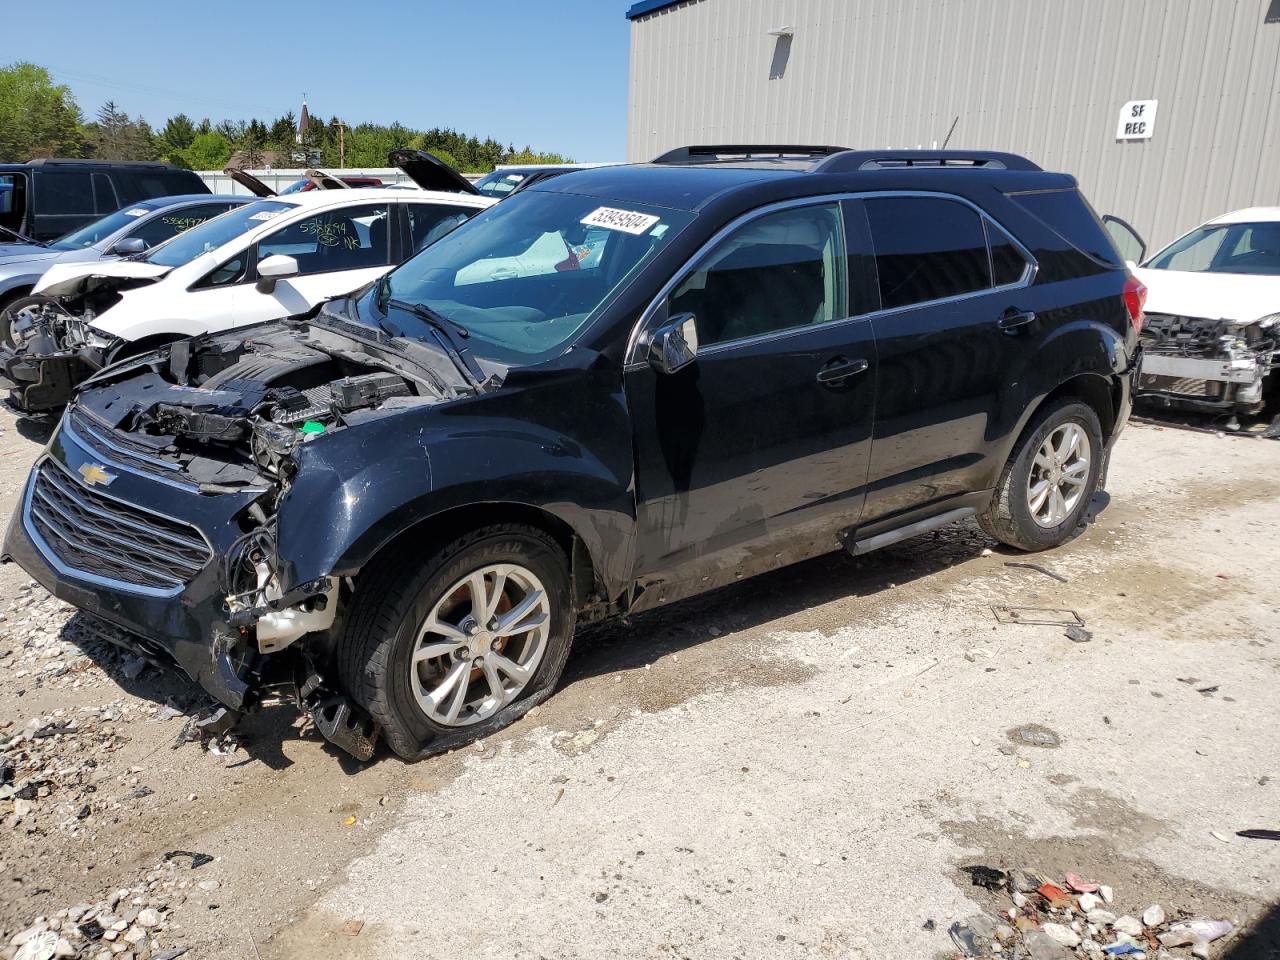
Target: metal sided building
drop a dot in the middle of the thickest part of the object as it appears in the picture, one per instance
(1167, 111)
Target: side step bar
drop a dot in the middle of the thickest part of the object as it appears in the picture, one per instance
(858, 547)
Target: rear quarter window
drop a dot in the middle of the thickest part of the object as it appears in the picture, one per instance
(1069, 215)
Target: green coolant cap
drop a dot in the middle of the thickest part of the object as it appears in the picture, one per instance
(313, 426)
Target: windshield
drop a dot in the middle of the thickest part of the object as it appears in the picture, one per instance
(99, 230)
(524, 276)
(212, 234)
(1224, 248)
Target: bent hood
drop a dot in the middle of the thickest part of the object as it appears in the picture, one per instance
(1213, 296)
(76, 279)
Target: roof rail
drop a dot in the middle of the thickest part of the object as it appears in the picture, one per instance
(853, 160)
(703, 153)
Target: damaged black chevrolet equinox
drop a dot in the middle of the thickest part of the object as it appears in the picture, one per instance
(617, 388)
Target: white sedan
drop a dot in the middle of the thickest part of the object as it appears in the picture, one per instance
(272, 258)
(1212, 314)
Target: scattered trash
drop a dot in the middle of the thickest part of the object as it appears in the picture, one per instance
(930, 925)
(1055, 896)
(965, 940)
(1038, 568)
(1200, 930)
(351, 928)
(1034, 735)
(350, 821)
(1207, 691)
(1038, 616)
(197, 859)
(1153, 916)
(1081, 886)
(1078, 635)
(1259, 834)
(988, 877)
(1221, 837)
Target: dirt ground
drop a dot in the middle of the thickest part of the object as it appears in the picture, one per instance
(796, 766)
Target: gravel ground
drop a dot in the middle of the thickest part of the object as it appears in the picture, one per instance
(796, 766)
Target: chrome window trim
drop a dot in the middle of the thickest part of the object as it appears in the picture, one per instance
(634, 357)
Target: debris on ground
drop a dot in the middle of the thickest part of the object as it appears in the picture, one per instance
(1259, 834)
(1078, 635)
(131, 923)
(1040, 918)
(1038, 616)
(1038, 568)
(1035, 735)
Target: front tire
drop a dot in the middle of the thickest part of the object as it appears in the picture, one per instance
(452, 650)
(1047, 484)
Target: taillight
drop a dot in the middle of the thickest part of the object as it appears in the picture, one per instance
(1135, 295)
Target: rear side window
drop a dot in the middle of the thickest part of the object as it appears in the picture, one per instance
(167, 183)
(1067, 214)
(64, 193)
(927, 249)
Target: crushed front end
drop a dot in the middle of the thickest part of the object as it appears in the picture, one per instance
(1215, 366)
(52, 351)
(155, 506)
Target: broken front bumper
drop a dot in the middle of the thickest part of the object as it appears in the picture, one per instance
(38, 384)
(153, 571)
(1213, 384)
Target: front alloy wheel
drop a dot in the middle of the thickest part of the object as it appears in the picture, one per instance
(480, 644)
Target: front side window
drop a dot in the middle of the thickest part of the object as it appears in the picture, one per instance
(212, 234)
(780, 271)
(345, 238)
(499, 183)
(523, 277)
(1224, 248)
(927, 249)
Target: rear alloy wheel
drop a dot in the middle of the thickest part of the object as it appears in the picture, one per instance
(480, 644)
(448, 651)
(1046, 486)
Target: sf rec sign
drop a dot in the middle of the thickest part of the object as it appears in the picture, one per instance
(1137, 120)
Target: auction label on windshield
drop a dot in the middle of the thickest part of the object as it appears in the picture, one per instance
(135, 212)
(627, 221)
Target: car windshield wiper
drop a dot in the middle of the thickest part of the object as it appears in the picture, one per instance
(22, 238)
(451, 335)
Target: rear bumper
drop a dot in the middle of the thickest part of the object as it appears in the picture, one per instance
(186, 624)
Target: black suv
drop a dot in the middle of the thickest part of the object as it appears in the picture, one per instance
(45, 199)
(618, 388)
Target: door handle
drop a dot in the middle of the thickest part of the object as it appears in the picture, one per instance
(838, 370)
(1013, 318)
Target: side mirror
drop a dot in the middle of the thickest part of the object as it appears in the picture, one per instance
(273, 269)
(129, 246)
(674, 345)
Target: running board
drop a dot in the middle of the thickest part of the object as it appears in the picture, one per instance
(858, 547)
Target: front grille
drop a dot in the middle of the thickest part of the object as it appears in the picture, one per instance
(1181, 386)
(97, 535)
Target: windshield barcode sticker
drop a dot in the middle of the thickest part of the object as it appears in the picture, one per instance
(627, 221)
(266, 215)
(135, 212)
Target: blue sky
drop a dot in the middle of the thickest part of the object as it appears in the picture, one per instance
(549, 73)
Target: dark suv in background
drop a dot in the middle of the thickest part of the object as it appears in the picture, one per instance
(45, 199)
(617, 388)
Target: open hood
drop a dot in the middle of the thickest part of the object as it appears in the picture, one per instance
(430, 173)
(326, 181)
(249, 182)
(1213, 296)
(78, 279)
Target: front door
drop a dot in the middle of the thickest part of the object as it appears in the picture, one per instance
(756, 453)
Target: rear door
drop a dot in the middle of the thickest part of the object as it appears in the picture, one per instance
(756, 454)
(953, 333)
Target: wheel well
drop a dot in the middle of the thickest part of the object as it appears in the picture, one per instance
(442, 527)
(16, 293)
(1093, 390)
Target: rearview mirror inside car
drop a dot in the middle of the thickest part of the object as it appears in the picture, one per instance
(273, 269)
(674, 345)
(129, 246)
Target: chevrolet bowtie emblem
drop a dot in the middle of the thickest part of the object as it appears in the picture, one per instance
(94, 474)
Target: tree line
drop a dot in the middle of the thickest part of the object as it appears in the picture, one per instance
(39, 118)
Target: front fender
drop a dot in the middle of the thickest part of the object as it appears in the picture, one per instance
(358, 488)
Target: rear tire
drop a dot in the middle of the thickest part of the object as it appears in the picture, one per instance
(1045, 488)
(413, 654)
